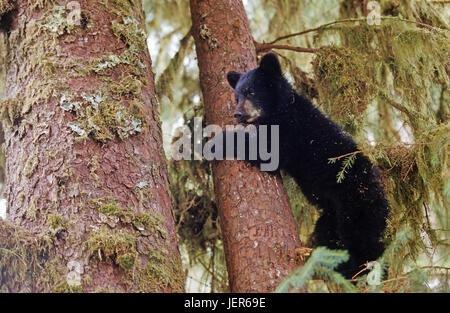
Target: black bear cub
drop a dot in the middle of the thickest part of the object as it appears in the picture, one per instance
(353, 210)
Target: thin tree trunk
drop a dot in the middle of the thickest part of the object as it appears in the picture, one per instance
(258, 228)
(87, 187)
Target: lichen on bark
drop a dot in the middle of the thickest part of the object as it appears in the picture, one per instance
(80, 142)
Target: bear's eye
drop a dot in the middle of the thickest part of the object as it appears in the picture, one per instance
(249, 93)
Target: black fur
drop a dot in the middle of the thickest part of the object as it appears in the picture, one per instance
(354, 212)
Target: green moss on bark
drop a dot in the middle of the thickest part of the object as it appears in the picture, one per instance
(148, 223)
(99, 116)
(22, 256)
(158, 270)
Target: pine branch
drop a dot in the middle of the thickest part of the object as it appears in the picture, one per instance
(321, 264)
(349, 160)
(350, 20)
(266, 47)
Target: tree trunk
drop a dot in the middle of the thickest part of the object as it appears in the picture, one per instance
(258, 228)
(87, 186)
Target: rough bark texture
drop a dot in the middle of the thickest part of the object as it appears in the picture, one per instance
(259, 231)
(86, 175)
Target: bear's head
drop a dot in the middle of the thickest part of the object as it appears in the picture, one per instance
(261, 92)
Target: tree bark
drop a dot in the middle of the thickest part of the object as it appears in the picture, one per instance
(87, 183)
(258, 228)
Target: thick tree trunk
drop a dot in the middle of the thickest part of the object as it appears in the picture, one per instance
(259, 231)
(86, 176)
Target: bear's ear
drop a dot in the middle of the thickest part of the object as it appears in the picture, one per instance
(233, 78)
(270, 64)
